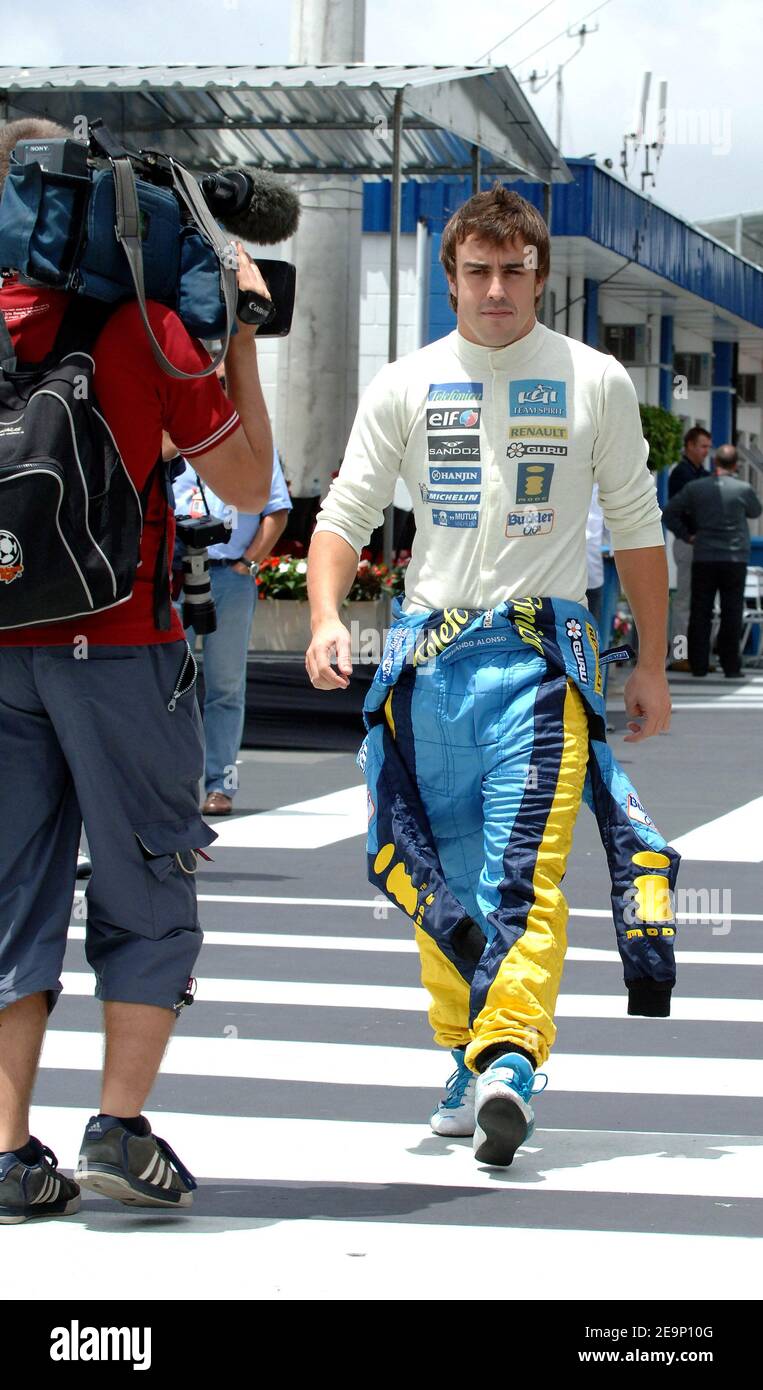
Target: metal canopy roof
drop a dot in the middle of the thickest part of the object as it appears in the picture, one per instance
(327, 119)
(742, 232)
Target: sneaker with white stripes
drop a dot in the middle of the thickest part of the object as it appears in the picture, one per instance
(138, 1169)
(32, 1189)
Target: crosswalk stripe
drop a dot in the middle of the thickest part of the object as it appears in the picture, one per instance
(717, 705)
(382, 906)
(370, 1065)
(320, 1258)
(288, 942)
(403, 998)
(254, 1149)
(734, 837)
(311, 824)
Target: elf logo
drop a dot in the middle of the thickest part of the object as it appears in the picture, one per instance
(468, 419)
(75, 1343)
(11, 558)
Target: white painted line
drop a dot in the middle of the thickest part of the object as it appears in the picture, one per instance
(321, 820)
(287, 942)
(719, 705)
(401, 998)
(398, 945)
(736, 837)
(383, 906)
(737, 958)
(242, 1257)
(249, 1149)
(344, 1064)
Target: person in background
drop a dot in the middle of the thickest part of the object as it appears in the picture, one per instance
(710, 516)
(233, 570)
(689, 468)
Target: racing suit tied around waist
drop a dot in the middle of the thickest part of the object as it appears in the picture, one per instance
(403, 859)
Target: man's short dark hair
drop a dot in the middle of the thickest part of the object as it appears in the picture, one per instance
(30, 128)
(694, 433)
(496, 215)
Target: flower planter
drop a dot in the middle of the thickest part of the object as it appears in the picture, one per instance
(283, 625)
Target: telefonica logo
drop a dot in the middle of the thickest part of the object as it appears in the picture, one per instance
(75, 1343)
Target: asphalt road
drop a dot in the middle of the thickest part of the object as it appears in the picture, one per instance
(299, 1085)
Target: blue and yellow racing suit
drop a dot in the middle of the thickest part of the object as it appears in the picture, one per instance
(485, 730)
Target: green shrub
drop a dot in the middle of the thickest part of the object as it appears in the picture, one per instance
(664, 433)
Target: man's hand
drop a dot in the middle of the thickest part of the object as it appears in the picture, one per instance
(242, 568)
(647, 697)
(331, 642)
(248, 274)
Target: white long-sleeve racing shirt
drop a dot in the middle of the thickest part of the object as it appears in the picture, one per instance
(499, 450)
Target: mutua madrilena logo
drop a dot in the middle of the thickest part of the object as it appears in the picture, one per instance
(11, 558)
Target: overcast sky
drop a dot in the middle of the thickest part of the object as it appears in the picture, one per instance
(710, 54)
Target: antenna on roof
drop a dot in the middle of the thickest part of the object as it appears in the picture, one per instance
(634, 138)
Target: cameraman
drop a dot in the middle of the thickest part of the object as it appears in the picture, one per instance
(99, 723)
(234, 564)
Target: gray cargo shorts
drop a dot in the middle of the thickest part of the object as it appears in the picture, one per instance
(112, 739)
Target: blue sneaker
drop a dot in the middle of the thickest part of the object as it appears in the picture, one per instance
(455, 1113)
(504, 1115)
(34, 1189)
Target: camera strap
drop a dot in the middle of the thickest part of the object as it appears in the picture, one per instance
(127, 228)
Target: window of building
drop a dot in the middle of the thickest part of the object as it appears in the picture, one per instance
(626, 342)
(695, 366)
(748, 388)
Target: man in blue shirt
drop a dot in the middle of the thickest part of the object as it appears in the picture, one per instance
(233, 576)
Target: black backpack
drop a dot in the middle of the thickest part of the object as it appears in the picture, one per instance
(71, 518)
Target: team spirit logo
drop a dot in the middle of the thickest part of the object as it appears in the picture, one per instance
(529, 521)
(533, 481)
(575, 633)
(456, 476)
(436, 497)
(11, 558)
(538, 432)
(468, 419)
(455, 391)
(517, 449)
(442, 447)
(538, 398)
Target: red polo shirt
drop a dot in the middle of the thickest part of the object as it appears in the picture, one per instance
(138, 400)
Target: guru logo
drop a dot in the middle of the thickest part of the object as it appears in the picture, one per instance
(11, 558)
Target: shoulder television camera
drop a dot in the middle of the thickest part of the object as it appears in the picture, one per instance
(98, 219)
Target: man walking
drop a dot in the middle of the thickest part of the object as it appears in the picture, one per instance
(99, 723)
(690, 467)
(486, 718)
(710, 517)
